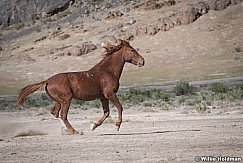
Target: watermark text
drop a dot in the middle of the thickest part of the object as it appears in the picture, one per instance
(218, 159)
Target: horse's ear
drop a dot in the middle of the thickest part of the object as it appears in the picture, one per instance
(119, 41)
(103, 45)
(106, 45)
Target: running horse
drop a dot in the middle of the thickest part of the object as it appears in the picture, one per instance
(100, 82)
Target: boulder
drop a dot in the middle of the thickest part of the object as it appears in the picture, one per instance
(80, 50)
(63, 37)
(189, 16)
(219, 4)
(201, 7)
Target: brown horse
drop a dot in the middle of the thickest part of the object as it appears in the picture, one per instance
(100, 82)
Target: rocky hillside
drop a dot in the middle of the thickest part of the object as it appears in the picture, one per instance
(16, 14)
(19, 12)
(180, 40)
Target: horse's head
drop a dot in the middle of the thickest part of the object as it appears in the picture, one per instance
(129, 53)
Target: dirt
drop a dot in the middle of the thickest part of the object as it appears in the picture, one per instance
(161, 136)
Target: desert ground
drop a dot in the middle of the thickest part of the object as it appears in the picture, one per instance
(206, 51)
(162, 136)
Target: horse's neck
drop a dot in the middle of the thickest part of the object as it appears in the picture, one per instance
(114, 64)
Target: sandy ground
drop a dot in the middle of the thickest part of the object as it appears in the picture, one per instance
(161, 136)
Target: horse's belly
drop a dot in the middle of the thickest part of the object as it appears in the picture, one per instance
(83, 92)
(87, 95)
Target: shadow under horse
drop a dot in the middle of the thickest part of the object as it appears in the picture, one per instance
(100, 82)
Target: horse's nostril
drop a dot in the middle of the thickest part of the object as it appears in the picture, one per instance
(141, 63)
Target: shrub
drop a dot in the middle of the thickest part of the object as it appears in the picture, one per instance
(95, 104)
(137, 96)
(77, 102)
(182, 88)
(201, 107)
(38, 100)
(159, 94)
(147, 104)
(219, 88)
(239, 92)
(8, 103)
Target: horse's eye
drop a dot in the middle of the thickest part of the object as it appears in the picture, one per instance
(133, 50)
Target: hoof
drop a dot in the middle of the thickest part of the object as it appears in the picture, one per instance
(93, 126)
(117, 127)
(75, 132)
(64, 131)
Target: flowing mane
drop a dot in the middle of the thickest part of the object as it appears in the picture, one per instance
(110, 49)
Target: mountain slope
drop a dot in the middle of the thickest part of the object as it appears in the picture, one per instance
(208, 47)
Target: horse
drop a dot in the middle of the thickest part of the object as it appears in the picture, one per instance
(100, 82)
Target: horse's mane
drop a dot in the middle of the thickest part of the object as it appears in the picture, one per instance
(110, 49)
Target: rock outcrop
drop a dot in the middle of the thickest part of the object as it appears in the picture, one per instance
(79, 50)
(20, 11)
(185, 16)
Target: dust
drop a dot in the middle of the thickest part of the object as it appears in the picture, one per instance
(7, 127)
(29, 132)
(18, 128)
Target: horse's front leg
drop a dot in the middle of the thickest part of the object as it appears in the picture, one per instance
(105, 105)
(113, 98)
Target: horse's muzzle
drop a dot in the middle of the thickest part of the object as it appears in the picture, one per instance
(141, 63)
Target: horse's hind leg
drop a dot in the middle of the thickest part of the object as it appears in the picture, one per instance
(105, 105)
(55, 109)
(63, 114)
(60, 109)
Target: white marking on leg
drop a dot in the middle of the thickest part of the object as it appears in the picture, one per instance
(92, 126)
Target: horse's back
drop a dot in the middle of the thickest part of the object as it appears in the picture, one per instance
(61, 78)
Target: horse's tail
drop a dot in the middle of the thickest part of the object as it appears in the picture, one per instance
(28, 90)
